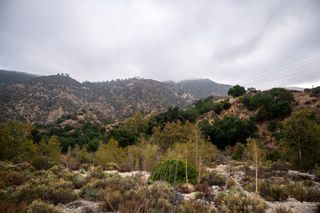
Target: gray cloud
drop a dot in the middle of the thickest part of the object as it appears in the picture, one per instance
(254, 43)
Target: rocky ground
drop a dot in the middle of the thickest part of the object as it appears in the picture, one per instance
(84, 206)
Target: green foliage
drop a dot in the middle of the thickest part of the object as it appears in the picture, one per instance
(173, 114)
(128, 133)
(52, 186)
(238, 201)
(112, 190)
(237, 91)
(213, 178)
(273, 192)
(175, 132)
(110, 152)
(158, 197)
(87, 135)
(280, 192)
(229, 130)
(273, 125)
(15, 142)
(301, 141)
(200, 154)
(237, 152)
(302, 193)
(189, 114)
(142, 156)
(174, 171)
(48, 154)
(272, 104)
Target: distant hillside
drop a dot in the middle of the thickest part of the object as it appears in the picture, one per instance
(44, 99)
(9, 77)
(201, 88)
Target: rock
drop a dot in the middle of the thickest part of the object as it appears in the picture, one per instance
(300, 175)
(290, 199)
(82, 206)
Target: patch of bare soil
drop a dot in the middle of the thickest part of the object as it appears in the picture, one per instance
(294, 206)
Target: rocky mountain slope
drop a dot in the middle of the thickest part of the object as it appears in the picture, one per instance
(44, 99)
(9, 77)
(202, 88)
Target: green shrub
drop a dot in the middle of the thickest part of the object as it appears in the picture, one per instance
(213, 178)
(272, 104)
(174, 171)
(217, 107)
(41, 162)
(237, 91)
(238, 201)
(39, 206)
(273, 192)
(302, 193)
(102, 189)
(78, 181)
(226, 104)
(89, 192)
(238, 151)
(229, 130)
(51, 193)
(273, 125)
(158, 197)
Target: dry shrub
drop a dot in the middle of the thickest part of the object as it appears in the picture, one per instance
(213, 178)
(302, 193)
(39, 206)
(196, 207)
(158, 197)
(184, 188)
(282, 209)
(239, 201)
(273, 192)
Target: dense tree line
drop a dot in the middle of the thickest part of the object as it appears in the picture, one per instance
(271, 104)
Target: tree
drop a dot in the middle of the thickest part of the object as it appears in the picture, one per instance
(48, 153)
(174, 171)
(301, 139)
(51, 149)
(143, 155)
(174, 132)
(271, 104)
(110, 152)
(15, 141)
(229, 130)
(237, 91)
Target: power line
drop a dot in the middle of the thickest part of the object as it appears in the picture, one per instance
(283, 68)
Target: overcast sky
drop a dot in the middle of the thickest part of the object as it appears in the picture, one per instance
(250, 42)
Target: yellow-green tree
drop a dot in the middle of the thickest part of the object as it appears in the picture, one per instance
(15, 141)
(194, 150)
(174, 132)
(50, 150)
(110, 152)
(143, 155)
(301, 141)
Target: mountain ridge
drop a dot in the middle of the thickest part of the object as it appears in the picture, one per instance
(43, 99)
